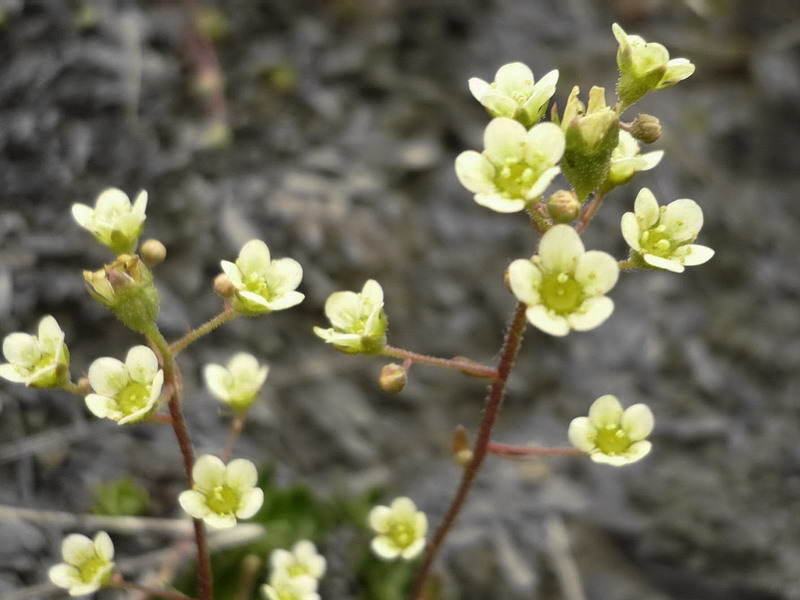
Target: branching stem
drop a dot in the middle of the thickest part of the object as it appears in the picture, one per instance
(464, 365)
(589, 211)
(207, 327)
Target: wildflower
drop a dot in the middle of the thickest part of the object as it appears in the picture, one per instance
(644, 67)
(401, 529)
(662, 235)
(37, 360)
(87, 565)
(302, 561)
(627, 160)
(238, 384)
(291, 588)
(513, 93)
(113, 221)
(611, 435)
(564, 286)
(359, 323)
(125, 392)
(222, 494)
(263, 285)
(516, 166)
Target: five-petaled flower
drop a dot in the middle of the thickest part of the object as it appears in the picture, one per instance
(644, 67)
(37, 360)
(87, 565)
(221, 493)
(611, 435)
(302, 561)
(263, 285)
(125, 392)
(303, 587)
(359, 322)
(627, 160)
(662, 235)
(401, 529)
(564, 286)
(515, 167)
(238, 383)
(113, 221)
(514, 94)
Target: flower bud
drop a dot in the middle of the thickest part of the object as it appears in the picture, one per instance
(126, 287)
(646, 128)
(224, 286)
(563, 206)
(153, 253)
(393, 378)
(459, 446)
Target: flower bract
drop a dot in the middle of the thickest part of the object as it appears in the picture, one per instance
(611, 435)
(237, 384)
(359, 322)
(514, 94)
(222, 493)
(302, 561)
(627, 160)
(40, 360)
(125, 392)
(303, 587)
(515, 167)
(114, 221)
(400, 528)
(87, 565)
(662, 235)
(263, 285)
(563, 286)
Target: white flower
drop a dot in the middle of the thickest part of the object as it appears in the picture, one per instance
(359, 323)
(221, 494)
(516, 166)
(611, 435)
(627, 160)
(238, 384)
(401, 529)
(87, 564)
(513, 93)
(37, 361)
(113, 221)
(564, 286)
(303, 560)
(263, 285)
(125, 392)
(294, 588)
(663, 235)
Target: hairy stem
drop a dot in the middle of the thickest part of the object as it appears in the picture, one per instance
(464, 365)
(494, 400)
(510, 451)
(589, 211)
(207, 327)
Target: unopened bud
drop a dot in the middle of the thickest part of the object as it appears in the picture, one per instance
(153, 253)
(459, 445)
(393, 378)
(224, 286)
(646, 128)
(563, 206)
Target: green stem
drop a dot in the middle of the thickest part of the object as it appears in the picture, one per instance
(207, 327)
(508, 354)
(464, 365)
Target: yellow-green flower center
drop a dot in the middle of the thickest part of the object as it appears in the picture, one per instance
(133, 398)
(402, 533)
(515, 179)
(656, 241)
(296, 570)
(612, 441)
(561, 293)
(89, 570)
(223, 500)
(258, 284)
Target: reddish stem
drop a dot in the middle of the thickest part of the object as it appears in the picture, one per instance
(507, 450)
(236, 429)
(589, 211)
(464, 365)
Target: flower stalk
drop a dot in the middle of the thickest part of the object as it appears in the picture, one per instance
(464, 365)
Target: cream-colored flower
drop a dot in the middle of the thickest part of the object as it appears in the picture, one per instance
(663, 235)
(627, 160)
(87, 565)
(302, 560)
(611, 435)
(113, 221)
(291, 588)
(222, 494)
(125, 392)
(401, 529)
(37, 361)
(514, 94)
(516, 166)
(563, 286)
(644, 67)
(359, 323)
(263, 285)
(238, 383)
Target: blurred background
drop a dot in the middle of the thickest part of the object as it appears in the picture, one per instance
(328, 128)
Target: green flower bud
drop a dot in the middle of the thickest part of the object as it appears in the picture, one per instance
(393, 378)
(646, 128)
(153, 253)
(126, 287)
(563, 206)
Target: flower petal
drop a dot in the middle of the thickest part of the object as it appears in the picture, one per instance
(514, 78)
(504, 141)
(631, 231)
(241, 474)
(605, 412)
(21, 349)
(233, 273)
(287, 300)
(142, 364)
(414, 549)
(102, 406)
(479, 88)
(592, 313)
(50, 335)
(380, 518)
(646, 209)
(524, 279)
(545, 144)
(683, 219)
(64, 576)
(663, 263)
(384, 547)
(547, 321)
(500, 203)
(208, 472)
(581, 434)
(218, 381)
(597, 272)
(194, 504)
(253, 258)
(108, 376)
(83, 215)
(284, 275)
(637, 421)
(475, 172)
(77, 549)
(697, 255)
(638, 451)
(251, 502)
(560, 249)
(103, 545)
(10, 372)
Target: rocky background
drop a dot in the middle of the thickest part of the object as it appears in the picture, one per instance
(344, 118)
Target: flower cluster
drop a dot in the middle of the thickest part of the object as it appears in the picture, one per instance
(296, 573)
(87, 565)
(611, 435)
(359, 322)
(514, 94)
(40, 360)
(238, 383)
(400, 529)
(113, 221)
